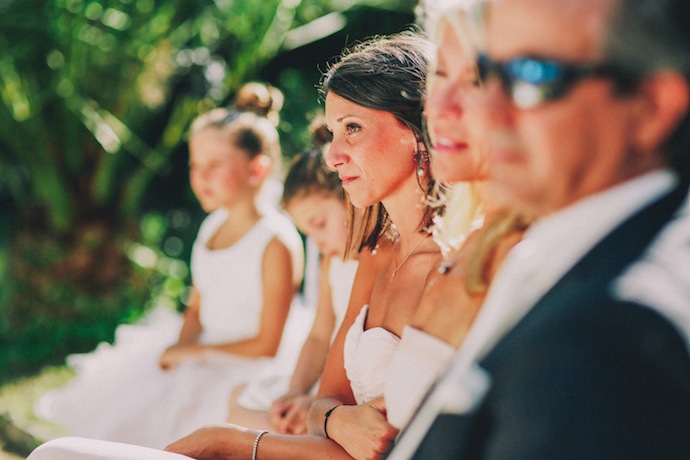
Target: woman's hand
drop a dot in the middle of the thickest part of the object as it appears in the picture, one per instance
(362, 430)
(216, 442)
(288, 414)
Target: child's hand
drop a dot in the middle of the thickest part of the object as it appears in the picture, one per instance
(175, 354)
(288, 414)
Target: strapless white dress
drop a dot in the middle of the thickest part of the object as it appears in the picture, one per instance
(366, 357)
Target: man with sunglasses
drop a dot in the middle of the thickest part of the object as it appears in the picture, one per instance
(581, 348)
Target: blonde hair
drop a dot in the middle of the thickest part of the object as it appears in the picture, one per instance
(260, 98)
(250, 122)
(501, 224)
(464, 212)
(248, 131)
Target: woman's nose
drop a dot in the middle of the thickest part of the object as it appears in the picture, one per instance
(335, 154)
(445, 102)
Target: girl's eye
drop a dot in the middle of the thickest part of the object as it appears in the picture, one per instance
(352, 128)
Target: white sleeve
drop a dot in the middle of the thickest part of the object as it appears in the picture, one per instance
(73, 448)
(420, 359)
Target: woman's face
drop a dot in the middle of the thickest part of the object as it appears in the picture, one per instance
(458, 143)
(322, 217)
(220, 172)
(371, 150)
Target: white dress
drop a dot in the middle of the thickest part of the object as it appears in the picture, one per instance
(366, 357)
(272, 383)
(119, 392)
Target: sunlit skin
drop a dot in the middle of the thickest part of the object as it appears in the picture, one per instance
(220, 173)
(357, 132)
(321, 217)
(545, 158)
(458, 142)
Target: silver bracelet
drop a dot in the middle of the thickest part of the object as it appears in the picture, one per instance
(256, 443)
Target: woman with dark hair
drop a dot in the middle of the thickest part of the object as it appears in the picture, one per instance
(373, 99)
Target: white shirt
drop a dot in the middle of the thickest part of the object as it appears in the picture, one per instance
(661, 277)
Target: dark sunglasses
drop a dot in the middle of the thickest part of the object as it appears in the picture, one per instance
(531, 81)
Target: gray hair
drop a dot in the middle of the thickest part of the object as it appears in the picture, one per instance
(646, 36)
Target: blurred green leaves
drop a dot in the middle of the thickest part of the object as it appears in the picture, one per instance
(95, 99)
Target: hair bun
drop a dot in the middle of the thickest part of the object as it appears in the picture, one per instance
(261, 99)
(319, 131)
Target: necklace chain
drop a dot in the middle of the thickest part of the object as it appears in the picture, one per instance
(402, 262)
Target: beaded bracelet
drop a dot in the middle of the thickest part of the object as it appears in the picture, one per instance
(256, 443)
(325, 420)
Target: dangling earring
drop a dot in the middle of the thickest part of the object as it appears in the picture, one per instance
(421, 157)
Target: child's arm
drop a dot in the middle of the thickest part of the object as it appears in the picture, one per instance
(189, 332)
(315, 350)
(191, 328)
(335, 386)
(360, 429)
(288, 413)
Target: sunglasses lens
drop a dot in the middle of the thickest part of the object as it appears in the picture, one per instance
(533, 82)
(528, 81)
(533, 71)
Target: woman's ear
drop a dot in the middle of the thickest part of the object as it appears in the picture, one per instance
(665, 99)
(260, 168)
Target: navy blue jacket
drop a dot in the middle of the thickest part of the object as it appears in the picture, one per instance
(583, 375)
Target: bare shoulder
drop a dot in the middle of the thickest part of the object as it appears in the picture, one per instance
(276, 252)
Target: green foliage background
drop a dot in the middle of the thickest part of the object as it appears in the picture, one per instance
(95, 99)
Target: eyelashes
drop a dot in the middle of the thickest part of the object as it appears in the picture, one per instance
(352, 128)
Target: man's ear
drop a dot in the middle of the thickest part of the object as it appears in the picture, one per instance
(259, 169)
(665, 99)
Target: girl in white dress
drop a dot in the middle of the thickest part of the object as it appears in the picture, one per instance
(315, 200)
(246, 265)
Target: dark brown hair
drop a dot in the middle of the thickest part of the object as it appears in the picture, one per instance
(386, 73)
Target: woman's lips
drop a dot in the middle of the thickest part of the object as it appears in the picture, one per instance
(447, 145)
(346, 180)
